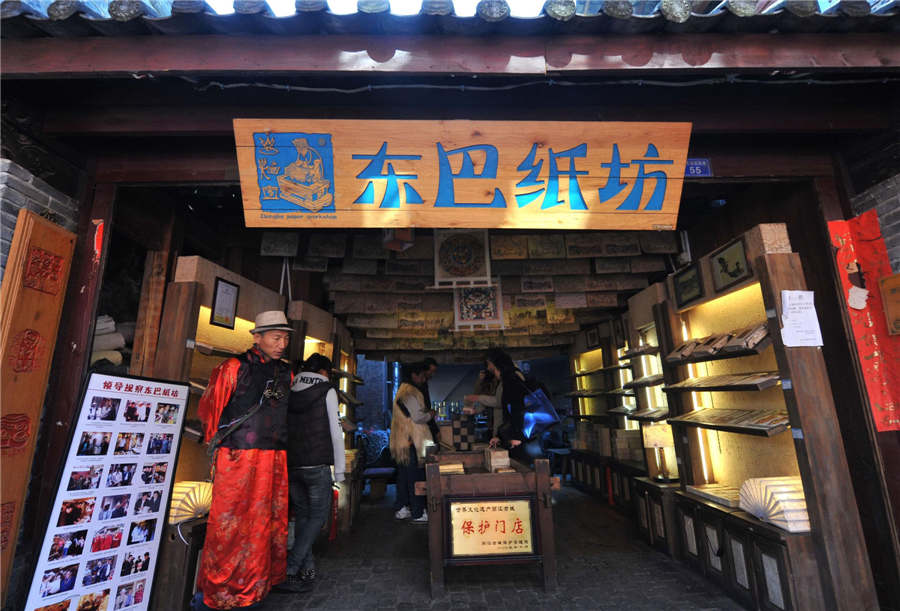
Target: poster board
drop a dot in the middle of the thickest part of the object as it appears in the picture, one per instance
(102, 541)
(491, 527)
(476, 174)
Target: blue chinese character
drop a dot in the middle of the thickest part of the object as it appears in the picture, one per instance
(633, 201)
(446, 197)
(614, 184)
(375, 171)
(551, 191)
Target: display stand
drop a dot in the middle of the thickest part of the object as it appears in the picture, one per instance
(458, 503)
(606, 456)
(731, 404)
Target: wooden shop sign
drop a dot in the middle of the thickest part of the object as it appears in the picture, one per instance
(34, 287)
(528, 174)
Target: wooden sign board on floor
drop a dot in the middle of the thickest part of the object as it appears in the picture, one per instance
(473, 174)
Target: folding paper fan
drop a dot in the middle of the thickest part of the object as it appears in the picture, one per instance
(190, 500)
(777, 500)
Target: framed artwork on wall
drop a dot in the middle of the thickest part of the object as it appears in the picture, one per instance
(729, 265)
(688, 285)
(224, 304)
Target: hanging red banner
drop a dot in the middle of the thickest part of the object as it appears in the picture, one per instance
(862, 261)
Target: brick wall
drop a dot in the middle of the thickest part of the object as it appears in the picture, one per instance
(885, 198)
(20, 189)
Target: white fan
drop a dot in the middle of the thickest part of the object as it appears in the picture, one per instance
(190, 500)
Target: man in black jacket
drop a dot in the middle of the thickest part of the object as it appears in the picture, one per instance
(315, 445)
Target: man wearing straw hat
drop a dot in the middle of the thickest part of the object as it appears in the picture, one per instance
(244, 414)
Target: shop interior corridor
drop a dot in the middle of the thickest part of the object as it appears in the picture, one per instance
(383, 564)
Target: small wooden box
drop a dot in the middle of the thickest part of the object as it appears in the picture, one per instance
(495, 459)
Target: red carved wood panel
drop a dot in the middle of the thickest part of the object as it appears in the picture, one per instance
(31, 300)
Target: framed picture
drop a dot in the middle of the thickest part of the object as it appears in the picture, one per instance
(688, 285)
(224, 304)
(729, 265)
(592, 337)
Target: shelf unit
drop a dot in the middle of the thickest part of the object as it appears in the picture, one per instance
(713, 403)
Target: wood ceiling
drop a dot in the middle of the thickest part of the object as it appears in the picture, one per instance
(554, 284)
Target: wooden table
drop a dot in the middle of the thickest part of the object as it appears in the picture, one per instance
(477, 485)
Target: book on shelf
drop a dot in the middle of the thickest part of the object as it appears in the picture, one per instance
(452, 468)
(762, 419)
(780, 501)
(747, 338)
(729, 496)
(650, 412)
(711, 345)
(762, 379)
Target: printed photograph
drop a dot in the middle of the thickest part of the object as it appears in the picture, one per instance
(94, 443)
(165, 413)
(85, 478)
(160, 443)
(120, 474)
(103, 408)
(135, 562)
(98, 570)
(67, 545)
(108, 537)
(147, 502)
(137, 411)
(130, 594)
(141, 532)
(58, 580)
(129, 443)
(115, 506)
(60, 606)
(95, 601)
(154, 472)
(76, 511)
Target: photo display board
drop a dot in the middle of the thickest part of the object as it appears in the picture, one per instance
(101, 544)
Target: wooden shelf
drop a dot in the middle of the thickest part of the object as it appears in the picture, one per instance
(601, 370)
(346, 374)
(728, 382)
(654, 380)
(620, 392)
(585, 394)
(621, 410)
(649, 415)
(723, 354)
(641, 351)
(732, 421)
(344, 397)
(210, 350)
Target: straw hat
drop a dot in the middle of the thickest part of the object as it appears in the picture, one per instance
(273, 320)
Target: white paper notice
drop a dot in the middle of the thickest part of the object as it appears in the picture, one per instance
(856, 298)
(800, 325)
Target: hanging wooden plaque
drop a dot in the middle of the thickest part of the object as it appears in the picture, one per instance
(524, 174)
(31, 299)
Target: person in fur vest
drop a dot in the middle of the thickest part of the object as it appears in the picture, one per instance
(410, 438)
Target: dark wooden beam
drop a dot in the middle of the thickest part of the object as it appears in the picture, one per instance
(538, 56)
(728, 115)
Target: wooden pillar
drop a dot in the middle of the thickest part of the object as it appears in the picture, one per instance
(545, 522)
(177, 328)
(435, 506)
(71, 358)
(153, 291)
(844, 568)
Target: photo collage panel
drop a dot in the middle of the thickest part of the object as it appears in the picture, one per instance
(101, 546)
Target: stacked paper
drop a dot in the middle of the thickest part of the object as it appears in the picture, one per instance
(452, 468)
(495, 459)
(717, 493)
(777, 500)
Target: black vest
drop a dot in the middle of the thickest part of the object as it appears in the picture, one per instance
(308, 430)
(267, 428)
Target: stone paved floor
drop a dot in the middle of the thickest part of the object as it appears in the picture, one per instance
(383, 564)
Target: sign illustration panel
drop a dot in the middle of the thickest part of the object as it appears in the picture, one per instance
(566, 175)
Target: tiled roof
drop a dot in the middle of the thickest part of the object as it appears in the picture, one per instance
(28, 18)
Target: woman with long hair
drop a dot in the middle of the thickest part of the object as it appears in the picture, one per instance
(409, 441)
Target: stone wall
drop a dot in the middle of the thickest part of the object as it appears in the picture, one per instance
(20, 189)
(885, 198)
